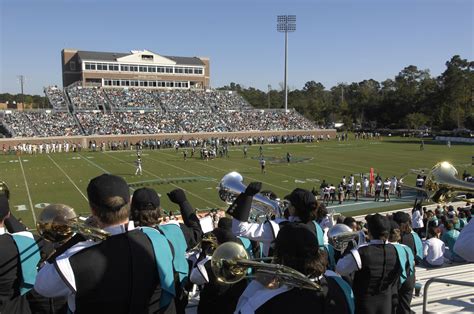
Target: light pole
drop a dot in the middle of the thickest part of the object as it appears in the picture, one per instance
(286, 24)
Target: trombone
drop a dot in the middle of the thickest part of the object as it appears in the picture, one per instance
(58, 223)
(230, 263)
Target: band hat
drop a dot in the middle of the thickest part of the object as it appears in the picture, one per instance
(224, 235)
(378, 225)
(106, 186)
(225, 223)
(302, 199)
(401, 217)
(294, 239)
(145, 199)
(4, 206)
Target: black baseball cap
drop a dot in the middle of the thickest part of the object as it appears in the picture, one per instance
(302, 199)
(106, 186)
(295, 239)
(401, 217)
(145, 199)
(378, 225)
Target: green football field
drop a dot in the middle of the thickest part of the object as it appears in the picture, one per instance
(35, 180)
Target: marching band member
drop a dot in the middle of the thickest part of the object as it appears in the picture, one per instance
(295, 247)
(376, 266)
(21, 253)
(146, 211)
(215, 296)
(404, 293)
(303, 208)
(130, 271)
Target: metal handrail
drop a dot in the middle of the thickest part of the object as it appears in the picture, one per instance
(441, 280)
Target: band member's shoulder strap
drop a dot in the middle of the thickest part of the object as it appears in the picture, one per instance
(329, 249)
(404, 258)
(164, 264)
(347, 290)
(418, 245)
(247, 245)
(29, 258)
(175, 235)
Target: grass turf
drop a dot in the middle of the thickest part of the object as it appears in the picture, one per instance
(63, 177)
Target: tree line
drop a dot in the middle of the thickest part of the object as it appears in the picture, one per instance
(412, 99)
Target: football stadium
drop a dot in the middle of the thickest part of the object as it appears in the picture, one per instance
(141, 186)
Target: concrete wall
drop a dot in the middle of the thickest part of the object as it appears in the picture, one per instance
(84, 140)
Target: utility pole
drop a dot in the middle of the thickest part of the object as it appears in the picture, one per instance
(21, 79)
(268, 95)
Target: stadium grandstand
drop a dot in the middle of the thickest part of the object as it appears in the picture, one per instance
(79, 110)
(141, 92)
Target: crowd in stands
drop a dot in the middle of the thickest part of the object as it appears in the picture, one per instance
(86, 98)
(53, 124)
(133, 98)
(18, 124)
(129, 111)
(56, 97)
(40, 124)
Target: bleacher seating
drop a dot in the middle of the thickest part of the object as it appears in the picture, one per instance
(146, 111)
(91, 98)
(55, 97)
(445, 298)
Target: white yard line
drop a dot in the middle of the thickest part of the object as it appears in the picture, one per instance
(94, 164)
(69, 178)
(177, 186)
(267, 183)
(28, 191)
(99, 167)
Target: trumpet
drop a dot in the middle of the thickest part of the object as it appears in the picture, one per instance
(58, 223)
(262, 207)
(230, 263)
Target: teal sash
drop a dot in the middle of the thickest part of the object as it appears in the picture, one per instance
(418, 245)
(329, 249)
(247, 245)
(348, 294)
(174, 234)
(402, 252)
(29, 258)
(164, 264)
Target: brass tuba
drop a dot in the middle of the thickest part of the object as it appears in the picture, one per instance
(230, 263)
(58, 223)
(442, 184)
(262, 207)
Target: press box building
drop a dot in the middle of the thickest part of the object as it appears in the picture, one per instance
(142, 68)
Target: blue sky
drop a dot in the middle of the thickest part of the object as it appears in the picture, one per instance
(335, 41)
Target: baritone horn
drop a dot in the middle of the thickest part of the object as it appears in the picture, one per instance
(262, 207)
(230, 263)
(340, 236)
(58, 223)
(442, 185)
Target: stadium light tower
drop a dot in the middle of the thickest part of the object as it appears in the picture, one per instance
(286, 24)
